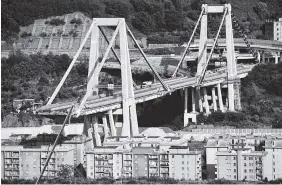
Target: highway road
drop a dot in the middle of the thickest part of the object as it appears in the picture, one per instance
(96, 104)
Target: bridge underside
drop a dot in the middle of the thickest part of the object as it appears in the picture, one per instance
(95, 104)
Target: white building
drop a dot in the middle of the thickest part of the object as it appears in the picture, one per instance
(278, 29)
(272, 163)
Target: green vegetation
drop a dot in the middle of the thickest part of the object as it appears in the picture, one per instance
(261, 101)
(138, 180)
(148, 17)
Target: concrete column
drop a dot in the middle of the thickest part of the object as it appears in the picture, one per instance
(276, 57)
(263, 57)
(203, 38)
(105, 125)
(33, 29)
(71, 42)
(259, 56)
(112, 123)
(214, 100)
(207, 106)
(186, 100)
(193, 100)
(231, 62)
(50, 42)
(200, 100)
(219, 96)
(95, 130)
(89, 129)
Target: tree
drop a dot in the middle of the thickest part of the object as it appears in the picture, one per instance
(143, 22)
(66, 171)
(173, 20)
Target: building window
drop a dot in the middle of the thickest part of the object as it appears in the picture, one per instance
(234, 170)
(245, 171)
(245, 158)
(250, 158)
(91, 167)
(187, 168)
(250, 164)
(251, 170)
(234, 158)
(91, 173)
(182, 162)
(173, 174)
(245, 164)
(182, 156)
(235, 177)
(273, 169)
(62, 159)
(182, 168)
(172, 156)
(234, 164)
(273, 163)
(183, 175)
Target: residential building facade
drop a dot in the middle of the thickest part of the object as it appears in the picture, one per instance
(27, 163)
(272, 163)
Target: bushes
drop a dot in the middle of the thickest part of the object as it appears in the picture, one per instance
(76, 21)
(57, 22)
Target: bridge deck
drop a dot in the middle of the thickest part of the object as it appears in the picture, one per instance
(96, 104)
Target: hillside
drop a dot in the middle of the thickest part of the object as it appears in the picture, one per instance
(36, 76)
(147, 17)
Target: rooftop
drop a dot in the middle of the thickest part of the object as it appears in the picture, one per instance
(179, 147)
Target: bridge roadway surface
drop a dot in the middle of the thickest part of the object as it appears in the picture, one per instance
(96, 104)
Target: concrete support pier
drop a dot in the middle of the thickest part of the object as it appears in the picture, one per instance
(219, 95)
(207, 106)
(112, 123)
(105, 125)
(214, 100)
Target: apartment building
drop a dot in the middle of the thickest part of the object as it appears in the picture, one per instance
(278, 30)
(28, 137)
(213, 146)
(240, 164)
(273, 29)
(272, 163)
(107, 161)
(139, 157)
(184, 164)
(27, 163)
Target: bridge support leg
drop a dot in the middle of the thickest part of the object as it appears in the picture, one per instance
(203, 38)
(237, 87)
(105, 125)
(207, 106)
(263, 57)
(186, 100)
(94, 121)
(259, 57)
(186, 120)
(112, 123)
(219, 95)
(93, 58)
(214, 100)
(130, 124)
(193, 101)
(89, 129)
(276, 57)
(231, 62)
(200, 100)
